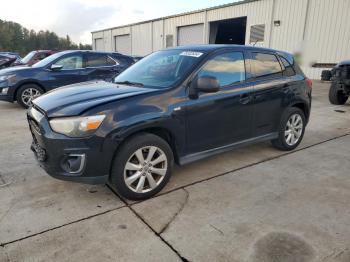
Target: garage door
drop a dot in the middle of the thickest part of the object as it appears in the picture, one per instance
(99, 44)
(192, 34)
(122, 44)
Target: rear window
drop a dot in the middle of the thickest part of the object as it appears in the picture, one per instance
(265, 64)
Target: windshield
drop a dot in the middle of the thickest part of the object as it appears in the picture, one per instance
(47, 60)
(161, 69)
(28, 57)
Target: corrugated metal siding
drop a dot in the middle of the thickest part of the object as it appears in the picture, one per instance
(141, 38)
(259, 12)
(158, 37)
(327, 38)
(121, 31)
(288, 36)
(191, 34)
(171, 24)
(107, 40)
(327, 31)
(98, 44)
(123, 44)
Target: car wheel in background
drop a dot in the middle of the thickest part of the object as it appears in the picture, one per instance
(291, 129)
(326, 75)
(142, 166)
(27, 93)
(336, 96)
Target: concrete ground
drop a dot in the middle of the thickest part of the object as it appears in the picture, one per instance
(252, 204)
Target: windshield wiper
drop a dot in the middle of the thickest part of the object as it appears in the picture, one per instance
(129, 83)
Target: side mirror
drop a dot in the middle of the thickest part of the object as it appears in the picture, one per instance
(206, 84)
(56, 67)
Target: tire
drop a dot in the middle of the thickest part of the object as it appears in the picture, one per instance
(127, 165)
(336, 96)
(282, 142)
(326, 75)
(26, 101)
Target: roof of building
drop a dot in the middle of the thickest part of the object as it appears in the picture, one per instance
(180, 14)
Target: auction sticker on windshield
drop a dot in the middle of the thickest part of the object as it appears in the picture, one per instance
(191, 53)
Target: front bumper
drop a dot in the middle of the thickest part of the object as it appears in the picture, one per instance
(84, 160)
(9, 96)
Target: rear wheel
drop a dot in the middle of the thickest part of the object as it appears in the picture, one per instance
(336, 95)
(27, 93)
(291, 129)
(142, 166)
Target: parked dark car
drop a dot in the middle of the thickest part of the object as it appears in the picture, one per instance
(23, 83)
(339, 91)
(7, 60)
(129, 133)
(136, 58)
(35, 56)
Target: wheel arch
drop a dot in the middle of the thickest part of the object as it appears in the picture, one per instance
(303, 107)
(161, 132)
(27, 83)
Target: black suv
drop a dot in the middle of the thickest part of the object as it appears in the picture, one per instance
(176, 105)
(23, 83)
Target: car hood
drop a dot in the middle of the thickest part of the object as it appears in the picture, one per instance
(14, 70)
(74, 99)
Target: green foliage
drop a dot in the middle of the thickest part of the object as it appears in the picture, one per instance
(15, 38)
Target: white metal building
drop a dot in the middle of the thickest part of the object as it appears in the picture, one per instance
(318, 30)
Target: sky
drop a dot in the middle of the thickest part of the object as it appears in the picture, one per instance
(78, 18)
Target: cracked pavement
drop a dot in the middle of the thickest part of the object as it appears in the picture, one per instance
(251, 204)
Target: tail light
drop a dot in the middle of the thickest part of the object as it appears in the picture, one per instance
(309, 83)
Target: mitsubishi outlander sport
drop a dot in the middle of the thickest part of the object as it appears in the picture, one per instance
(174, 106)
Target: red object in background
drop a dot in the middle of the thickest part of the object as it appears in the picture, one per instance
(309, 83)
(34, 57)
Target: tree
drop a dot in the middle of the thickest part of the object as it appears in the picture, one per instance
(15, 38)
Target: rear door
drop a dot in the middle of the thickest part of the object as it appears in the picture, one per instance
(219, 119)
(100, 66)
(270, 91)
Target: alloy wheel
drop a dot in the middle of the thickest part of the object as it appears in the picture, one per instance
(29, 94)
(145, 169)
(294, 129)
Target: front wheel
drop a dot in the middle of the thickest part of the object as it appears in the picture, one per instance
(291, 129)
(142, 166)
(336, 95)
(27, 93)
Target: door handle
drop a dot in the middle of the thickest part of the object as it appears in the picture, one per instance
(244, 99)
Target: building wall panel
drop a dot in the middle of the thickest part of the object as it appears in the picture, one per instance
(158, 36)
(327, 35)
(289, 35)
(141, 38)
(257, 12)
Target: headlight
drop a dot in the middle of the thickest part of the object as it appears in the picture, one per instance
(4, 90)
(77, 126)
(6, 77)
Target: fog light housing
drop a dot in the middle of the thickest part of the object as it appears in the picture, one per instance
(4, 90)
(73, 163)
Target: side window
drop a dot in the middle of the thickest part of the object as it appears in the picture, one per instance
(41, 56)
(228, 68)
(288, 68)
(265, 64)
(96, 60)
(71, 62)
(111, 62)
(122, 60)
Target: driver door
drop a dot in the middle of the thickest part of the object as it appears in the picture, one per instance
(70, 73)
(218, 119)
